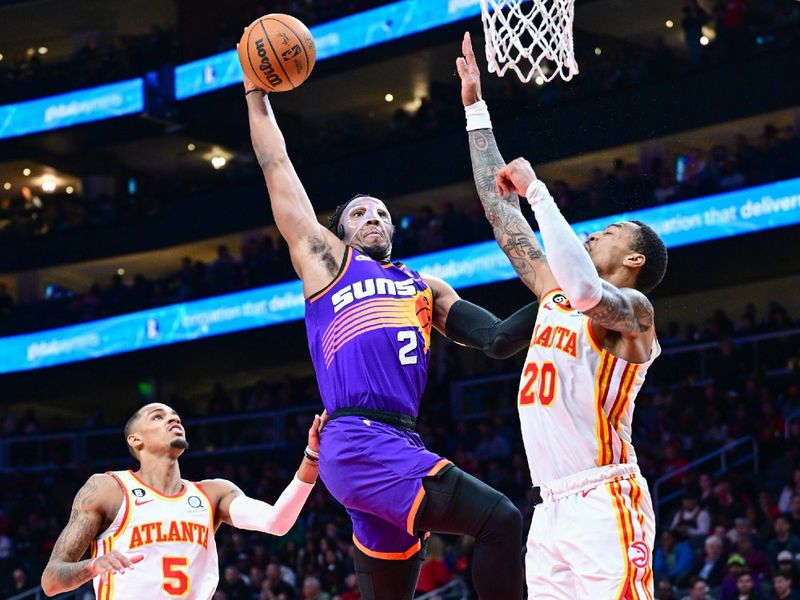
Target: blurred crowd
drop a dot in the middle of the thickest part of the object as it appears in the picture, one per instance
(742, 26)
(28, 214)
(101, 57)
(625, 186)
(721, 531)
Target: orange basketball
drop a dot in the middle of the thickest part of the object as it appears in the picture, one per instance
(277, 52)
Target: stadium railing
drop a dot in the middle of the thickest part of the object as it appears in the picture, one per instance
(455, 590)
(218, 435)
(728, 459)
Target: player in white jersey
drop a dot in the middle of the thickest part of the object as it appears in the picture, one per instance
(592, 535)
(160, 525)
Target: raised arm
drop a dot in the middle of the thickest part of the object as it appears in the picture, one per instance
(511, 230)
(65, 570)
(622, 311)
(316, 253)
(243, 512)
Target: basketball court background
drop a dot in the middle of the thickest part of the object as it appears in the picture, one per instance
(126, 167)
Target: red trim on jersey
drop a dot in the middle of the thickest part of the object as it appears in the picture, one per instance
(595, 343)
(126, 515)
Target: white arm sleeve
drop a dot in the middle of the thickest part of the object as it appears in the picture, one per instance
(566, 256)
(255, 515)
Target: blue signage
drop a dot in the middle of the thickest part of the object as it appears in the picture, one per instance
(73, 108)
(693, 221)
(354, 32)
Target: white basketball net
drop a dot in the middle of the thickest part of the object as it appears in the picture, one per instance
(534, 39)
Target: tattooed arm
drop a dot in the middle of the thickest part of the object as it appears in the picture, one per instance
(511, 230)
(625, 310)
(65, 570)
(315, 252)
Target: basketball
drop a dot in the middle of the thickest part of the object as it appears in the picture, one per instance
(277, 52)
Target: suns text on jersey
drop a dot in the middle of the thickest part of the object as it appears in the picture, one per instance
(175, 531)
(562, 338)
(373, 286)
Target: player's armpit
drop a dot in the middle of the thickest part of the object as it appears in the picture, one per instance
(511, 230)
(65, 571)
(625, 310)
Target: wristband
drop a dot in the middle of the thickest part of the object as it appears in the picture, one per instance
(311, 454)
(537, 193)
(253, 91)
(478, 116)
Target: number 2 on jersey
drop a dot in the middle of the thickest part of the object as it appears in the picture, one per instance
(176, 581)
(538, 380)
(410, 339)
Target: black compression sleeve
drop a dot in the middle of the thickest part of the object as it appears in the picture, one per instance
(476, 327)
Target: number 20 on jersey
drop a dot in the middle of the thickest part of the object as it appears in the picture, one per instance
(538, 382)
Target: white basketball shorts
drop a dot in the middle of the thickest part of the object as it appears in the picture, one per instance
(592, 537)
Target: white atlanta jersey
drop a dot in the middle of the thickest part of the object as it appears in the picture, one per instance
(174, 533)
(575, 398)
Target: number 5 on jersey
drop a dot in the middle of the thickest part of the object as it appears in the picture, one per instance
(176, 581)
(538, 381)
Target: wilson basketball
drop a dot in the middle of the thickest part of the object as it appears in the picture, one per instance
(277, 52)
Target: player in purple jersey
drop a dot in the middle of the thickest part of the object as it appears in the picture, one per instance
(369, 323)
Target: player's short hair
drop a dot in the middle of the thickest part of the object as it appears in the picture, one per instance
(647, 242)
(334, 223)
(129, 425)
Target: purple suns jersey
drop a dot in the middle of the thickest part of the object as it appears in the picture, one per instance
(369, 333)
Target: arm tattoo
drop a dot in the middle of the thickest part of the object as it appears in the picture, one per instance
(65, 567)
(623, 310)
(511, 230)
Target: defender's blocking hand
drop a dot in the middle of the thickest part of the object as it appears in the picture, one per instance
(468, 72)
(515, 176)
(316, 428)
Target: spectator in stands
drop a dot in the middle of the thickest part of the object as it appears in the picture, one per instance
(755, 558)
(351, 591)
(235, 585)
(694, 17)
(275, 585)
(692, 518)
(746, 589)
(19, 583)
(673, 559)
(786, 567)
(665, 591)
(783, 588)
(312, 590)
(698, 590)
(783, 541)
(736, 567)
(794, 513)
(713, 566)
(434, 572)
